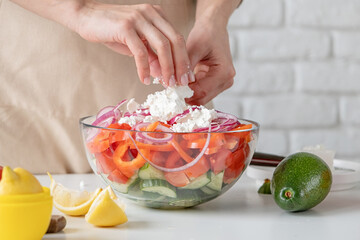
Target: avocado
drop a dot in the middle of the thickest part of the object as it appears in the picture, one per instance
(300, 182)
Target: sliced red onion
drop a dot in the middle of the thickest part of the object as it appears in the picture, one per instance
(182, 168)
(106, 118)
(146, 138)
(104, 110)
(180, 115)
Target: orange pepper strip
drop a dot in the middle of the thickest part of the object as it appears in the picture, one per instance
(247, 126)
(129, 168)
(161, 147)
(152, 126)
(181, 152)
(216, 140)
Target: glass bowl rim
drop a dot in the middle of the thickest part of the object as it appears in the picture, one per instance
(255, 127)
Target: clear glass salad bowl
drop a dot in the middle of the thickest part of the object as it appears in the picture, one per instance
(168, 170)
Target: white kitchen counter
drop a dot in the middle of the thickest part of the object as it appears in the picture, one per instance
(241, 213)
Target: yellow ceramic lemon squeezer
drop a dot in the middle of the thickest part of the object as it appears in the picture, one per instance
(25, 206)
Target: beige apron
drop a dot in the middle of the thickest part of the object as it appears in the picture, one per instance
(50, 77)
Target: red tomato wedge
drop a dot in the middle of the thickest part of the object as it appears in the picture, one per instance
(100, 143)
(236, 163)
(218, 160)
(118, 177)
(1, 169)
(200, 168)
(104, 163)
(177, 179)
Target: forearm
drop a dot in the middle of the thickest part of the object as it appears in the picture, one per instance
(64, 12)
(216, 10)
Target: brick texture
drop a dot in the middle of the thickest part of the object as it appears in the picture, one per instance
(347, 45)
(284, 45)
(292, 111)
(258, 13)
(298, 73)
(331, 77)
(324, 13)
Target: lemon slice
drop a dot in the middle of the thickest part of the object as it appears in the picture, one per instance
(106, 210)
(71, 202)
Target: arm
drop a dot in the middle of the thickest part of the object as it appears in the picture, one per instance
(209, 50)
(132, 30)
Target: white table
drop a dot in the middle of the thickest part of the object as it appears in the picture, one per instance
(240, 213)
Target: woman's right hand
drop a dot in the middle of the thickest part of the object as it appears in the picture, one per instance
(135, 30)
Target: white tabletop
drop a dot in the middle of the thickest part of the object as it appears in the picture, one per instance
(241, 213)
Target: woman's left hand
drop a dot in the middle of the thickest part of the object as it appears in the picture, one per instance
(209, 52)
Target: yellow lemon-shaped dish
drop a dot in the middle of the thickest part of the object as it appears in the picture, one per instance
(25, 216)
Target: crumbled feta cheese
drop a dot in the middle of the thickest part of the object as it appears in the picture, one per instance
(132, 105)
(166, 104)
(156, 80)
(131, 120)
(197, 118)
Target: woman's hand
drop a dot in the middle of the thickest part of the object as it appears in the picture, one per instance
(209, 52)
(135, 30)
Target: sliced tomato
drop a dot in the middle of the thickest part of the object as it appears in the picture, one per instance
(159, 158)
(1, 169)
(96, 147)
(218, 160)
(200, 168)
(177, 179)
(104, 163)
(236, 163)
(118, 177)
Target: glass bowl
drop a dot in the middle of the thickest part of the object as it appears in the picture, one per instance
(167, 169)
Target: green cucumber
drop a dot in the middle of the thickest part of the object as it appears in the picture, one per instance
(208, 191)
(159, 186)
(149, 172)
(216, 181)
(124, 188)
(199, 182)
(187, 198)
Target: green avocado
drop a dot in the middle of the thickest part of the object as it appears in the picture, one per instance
(300, 182)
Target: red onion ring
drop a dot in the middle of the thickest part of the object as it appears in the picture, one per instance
(180, 115)
(182, 168)
(145, 137)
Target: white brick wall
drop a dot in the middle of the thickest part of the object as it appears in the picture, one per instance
(298, 73)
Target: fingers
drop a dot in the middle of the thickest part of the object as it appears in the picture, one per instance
(178, 47)
(119, 48)
(169, 44)
(155, 68)
(138, 49)
(210, 84)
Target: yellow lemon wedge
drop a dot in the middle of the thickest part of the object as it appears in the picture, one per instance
(71, 202)
(106, 210)
(18, 181)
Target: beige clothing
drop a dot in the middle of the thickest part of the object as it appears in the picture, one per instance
(50, 77)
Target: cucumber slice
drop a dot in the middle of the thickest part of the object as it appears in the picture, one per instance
(199, 181)
(216, 181)
(187, 198)
(124, 188)
(208, 191)
(149, 172)
(159, 186)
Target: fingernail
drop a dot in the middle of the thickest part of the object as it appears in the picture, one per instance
(192, 76)
(184, 79)
(172, 81)
(147, 80)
